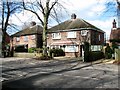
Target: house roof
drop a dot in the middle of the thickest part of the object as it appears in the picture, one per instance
(74, 24)
(37, 29)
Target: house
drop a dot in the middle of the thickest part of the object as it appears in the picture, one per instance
(27, 38)
(70, 36)
(7, 41)
(115, 34)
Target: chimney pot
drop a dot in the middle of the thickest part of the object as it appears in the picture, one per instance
(33, 23)
(73, 16)
(114, 23)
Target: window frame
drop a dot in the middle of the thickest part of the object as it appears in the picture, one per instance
(17, 39)
(56, 35)
(33, 37)
(71, 33)
(25, 38)
(71, 48)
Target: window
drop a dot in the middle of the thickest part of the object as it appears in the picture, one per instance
(32, 36)
(71, 48)
(71, 34)
(96, 47)
(84, 32)
(56, 36)
(99, 37)
(25, 38)
(17, 39)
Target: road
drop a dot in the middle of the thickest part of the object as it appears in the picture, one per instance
(33, 74)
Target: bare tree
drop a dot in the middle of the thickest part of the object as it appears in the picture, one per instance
(8, 8)
(46, 8)
(118, 11)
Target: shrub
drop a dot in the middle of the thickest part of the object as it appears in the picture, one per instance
(95, 55)
(44, 57)
(108, 52)
(32, 50)
(57, 52)
(21, 49)
(39, 50)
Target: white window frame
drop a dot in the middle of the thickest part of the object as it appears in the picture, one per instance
(99, 37)
(17, 39)
(71, 48)
(96, 47)
(32, 37)
(25, 38)
(84, 32)
(71, 34)
(56, 35)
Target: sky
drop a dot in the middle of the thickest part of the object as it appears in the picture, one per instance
(95, 12)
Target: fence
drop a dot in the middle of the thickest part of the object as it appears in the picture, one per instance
(117, 54)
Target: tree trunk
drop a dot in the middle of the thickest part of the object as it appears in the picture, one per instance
(44, 36)
(3, 44)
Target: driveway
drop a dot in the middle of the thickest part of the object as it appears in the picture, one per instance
(19, 73)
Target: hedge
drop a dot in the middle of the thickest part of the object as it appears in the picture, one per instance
(57, 52)
(95, 55)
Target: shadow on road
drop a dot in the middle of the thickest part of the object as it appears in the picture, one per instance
(28, 82)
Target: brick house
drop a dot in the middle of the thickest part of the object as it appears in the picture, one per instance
(115, 33)
(27, 38)
(71, 34)
(7, 41)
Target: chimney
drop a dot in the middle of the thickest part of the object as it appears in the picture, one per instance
(73, 16)
(33, 23)
(114, 24)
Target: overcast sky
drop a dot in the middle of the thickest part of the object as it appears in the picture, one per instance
(95, 12)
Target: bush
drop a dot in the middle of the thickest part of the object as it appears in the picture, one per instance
(31, 50)
(57, 52)
(39, 50)
(95, 55)
(21, 49)
(44, 57)
(108, 52)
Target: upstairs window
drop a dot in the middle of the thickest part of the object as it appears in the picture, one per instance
(99, 37)
(25, 38)
(71, 34)
(56, 36)
(17, 39)
(32, 36)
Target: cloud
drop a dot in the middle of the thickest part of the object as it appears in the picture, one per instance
(23, 17)
(105, 25)
(90, 10)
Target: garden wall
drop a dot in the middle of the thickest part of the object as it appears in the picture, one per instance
(117, 54)
(25, 55)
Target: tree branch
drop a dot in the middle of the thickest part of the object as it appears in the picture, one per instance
(33, 12)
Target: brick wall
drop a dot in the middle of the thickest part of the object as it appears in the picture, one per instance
(31, 42)
(93, 39)
(97, 38)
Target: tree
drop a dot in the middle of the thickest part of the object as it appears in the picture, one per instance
(47, 8)
(8, 8)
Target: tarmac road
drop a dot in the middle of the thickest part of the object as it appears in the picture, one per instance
(32, 74)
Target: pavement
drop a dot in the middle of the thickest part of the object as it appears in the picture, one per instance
(61, 72)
